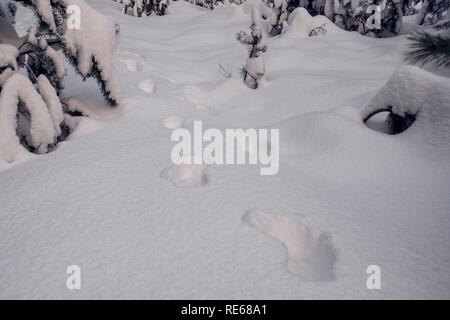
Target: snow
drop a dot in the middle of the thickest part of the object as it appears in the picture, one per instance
(300, 23)
(8, 55)
(132, 64)
(50, 97)
(57, 60)
(310, 252)
(186, 175)
(148, 85)
(110, 200)
(255, 67)
(44, 10)
(173, 122)
(88, 49)
(42, 132)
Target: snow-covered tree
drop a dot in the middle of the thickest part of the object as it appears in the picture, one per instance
(146, 7)
(355, 15)
(279, 17)
(391, 18)
(253, 71)
(409, 7)
(313, 6)
(433, 11)
(31, 111)
(341, 13)
(212, 4)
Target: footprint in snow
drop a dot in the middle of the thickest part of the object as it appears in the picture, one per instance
(132, 65)
(173, 122)
(198, 97)
(310, 252)
(147, 85)
(186, 175)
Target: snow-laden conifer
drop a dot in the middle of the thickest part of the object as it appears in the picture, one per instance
(278, 17)
(31, 111)
(254, 70)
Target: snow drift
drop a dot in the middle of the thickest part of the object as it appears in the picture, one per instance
(301, 24)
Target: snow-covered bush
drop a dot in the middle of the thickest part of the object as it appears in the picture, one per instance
(253, 71)
(353, 15)
(314, 7)
(279, 17)
(391, 20)
(302, 24)
(418, 104)
(8, 11)
(357, 16)
(31, 111)
(146, 7)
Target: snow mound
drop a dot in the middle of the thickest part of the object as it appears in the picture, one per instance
(186, 175)
(173, 122)
(100, 111)
(311, 253)
(301, 23)
(147, 85)
(316, 133)
(413, 91)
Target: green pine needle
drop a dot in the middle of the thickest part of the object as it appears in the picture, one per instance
(428, 48)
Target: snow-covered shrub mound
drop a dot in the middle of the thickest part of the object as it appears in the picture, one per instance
(186, 175)
(412, 93)
(253, 71)
(302, 24)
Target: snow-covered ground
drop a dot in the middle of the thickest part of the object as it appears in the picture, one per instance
(110, 200)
